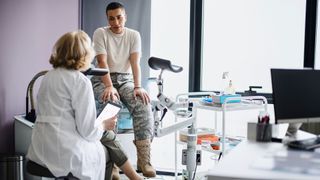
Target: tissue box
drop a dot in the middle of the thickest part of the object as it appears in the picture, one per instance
(221, 98)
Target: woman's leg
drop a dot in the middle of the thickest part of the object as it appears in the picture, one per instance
(128, 170)
(109, 166)
(118, 156)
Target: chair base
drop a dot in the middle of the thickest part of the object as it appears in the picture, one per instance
(38, 170)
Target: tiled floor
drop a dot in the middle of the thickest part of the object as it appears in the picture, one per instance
(199, 176)
(159, 177)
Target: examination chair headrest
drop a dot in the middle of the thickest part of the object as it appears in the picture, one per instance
(163, 64)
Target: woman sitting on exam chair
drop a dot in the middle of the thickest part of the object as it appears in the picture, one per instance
(66, 136)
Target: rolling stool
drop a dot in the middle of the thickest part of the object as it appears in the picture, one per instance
(38, 170)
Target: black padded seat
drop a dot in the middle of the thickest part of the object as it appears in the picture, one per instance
(38, 170)
(163, 64)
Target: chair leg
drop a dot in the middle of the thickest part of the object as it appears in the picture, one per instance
(64, 178)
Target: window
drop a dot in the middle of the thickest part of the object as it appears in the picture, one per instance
(169, 40)
(248, 37)
(317, 46)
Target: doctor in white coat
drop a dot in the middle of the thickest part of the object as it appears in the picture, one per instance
(65, 138)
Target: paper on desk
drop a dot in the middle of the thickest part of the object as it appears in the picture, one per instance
(108, 112)
(301, 162)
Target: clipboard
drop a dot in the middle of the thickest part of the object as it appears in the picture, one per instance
(110, 110)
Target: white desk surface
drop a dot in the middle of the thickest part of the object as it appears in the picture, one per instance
(255, 160)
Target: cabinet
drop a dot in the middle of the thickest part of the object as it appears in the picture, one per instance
(22, 135)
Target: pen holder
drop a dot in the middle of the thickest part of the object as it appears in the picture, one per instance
(264, 132)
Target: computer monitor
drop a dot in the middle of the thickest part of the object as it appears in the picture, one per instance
(296, 95)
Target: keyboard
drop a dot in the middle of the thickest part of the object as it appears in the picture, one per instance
(305, 144)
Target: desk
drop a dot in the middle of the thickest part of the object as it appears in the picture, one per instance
(256, 160)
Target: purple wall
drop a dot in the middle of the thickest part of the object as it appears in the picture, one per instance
(28, 31)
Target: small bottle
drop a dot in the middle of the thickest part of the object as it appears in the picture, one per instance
(224, 82)
(230, 90)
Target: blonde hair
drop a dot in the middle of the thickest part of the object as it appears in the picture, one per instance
(73, 50)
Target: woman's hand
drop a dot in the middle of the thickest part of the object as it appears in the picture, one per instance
(109, 124)
(143, 94)
(110, 93)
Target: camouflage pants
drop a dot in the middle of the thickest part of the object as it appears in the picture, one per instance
(141, 113)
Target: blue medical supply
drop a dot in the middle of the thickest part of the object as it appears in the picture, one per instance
(220, 99)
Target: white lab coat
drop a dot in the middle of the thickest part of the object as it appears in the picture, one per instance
(64, 138)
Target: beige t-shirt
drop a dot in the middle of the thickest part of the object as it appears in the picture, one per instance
(117, 47)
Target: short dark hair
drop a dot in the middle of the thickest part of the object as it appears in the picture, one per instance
(114, 5)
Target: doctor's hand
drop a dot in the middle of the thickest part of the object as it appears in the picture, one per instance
(110, 94)
(109, 124)
(143, 94)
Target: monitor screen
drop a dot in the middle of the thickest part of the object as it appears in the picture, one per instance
(296, 95)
